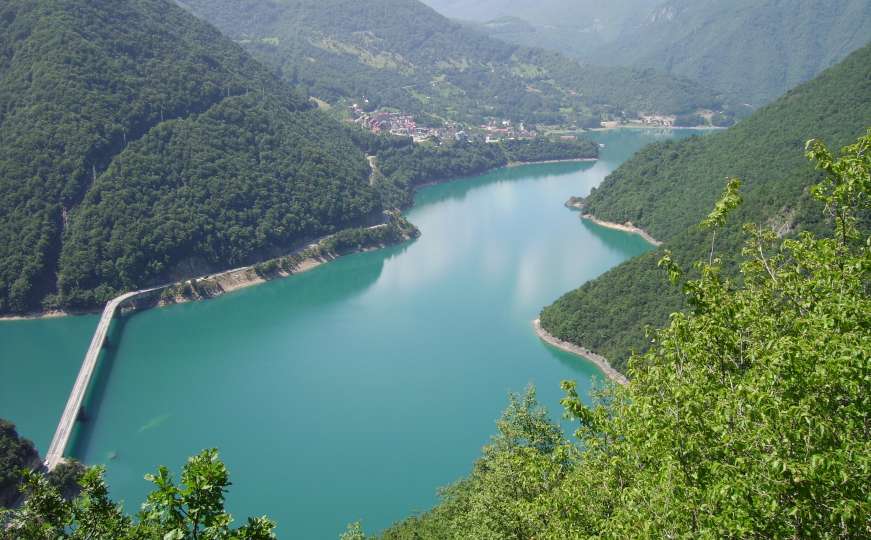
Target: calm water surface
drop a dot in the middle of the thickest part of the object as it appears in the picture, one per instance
(350, 392)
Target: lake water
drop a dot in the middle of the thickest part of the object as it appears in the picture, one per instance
(350, 392)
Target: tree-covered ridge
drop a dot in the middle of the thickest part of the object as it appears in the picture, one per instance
(665, 188)
(543, 149)
(81, 82)
(748, 417)
(402, 54)
(233, 185)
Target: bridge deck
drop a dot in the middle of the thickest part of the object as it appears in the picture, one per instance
(61, 438)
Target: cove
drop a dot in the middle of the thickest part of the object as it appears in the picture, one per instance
(350, 392)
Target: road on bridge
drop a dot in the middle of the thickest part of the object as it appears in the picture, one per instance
(67, 422)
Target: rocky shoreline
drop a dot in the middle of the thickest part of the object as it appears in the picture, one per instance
(570, 160)
(598, 360)
(220, 283)
(217, 284)
(576, 202)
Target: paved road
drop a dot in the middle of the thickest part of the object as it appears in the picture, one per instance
(71, 412)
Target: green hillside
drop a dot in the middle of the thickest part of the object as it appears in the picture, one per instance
(401, 53)
(135, 138)
(746, 419)
(668, 187)
(753, 49)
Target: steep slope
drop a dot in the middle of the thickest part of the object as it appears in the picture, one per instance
(403, 54)
(669, 187)
(572, 27)
(133, 136)
(753, 49)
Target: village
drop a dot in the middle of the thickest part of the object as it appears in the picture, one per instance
(404, 125)
(644, 120)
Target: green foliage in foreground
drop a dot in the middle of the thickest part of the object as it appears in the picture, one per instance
(748, 417)
(18, 454)
(192, 510)
(666, 188)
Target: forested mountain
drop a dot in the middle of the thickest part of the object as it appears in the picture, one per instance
(574, 27)
(135, 138)
(403, 54)
(668, 187)
(753, 49)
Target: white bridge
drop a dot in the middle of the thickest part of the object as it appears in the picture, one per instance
(61, 439)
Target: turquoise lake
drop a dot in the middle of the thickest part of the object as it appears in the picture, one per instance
(350, 392)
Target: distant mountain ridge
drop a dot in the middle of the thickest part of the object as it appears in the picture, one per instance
(137, 143)
(668, 188)
(597, 21)
(401, 53)
(752, 50)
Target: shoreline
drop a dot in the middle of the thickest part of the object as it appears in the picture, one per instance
(53, 314)
(213, 285)
(625, 227)
(633, 126)
(598, 360)
(509, 165)
(571, 160)
(247, 276)
(221, 283)
(226, 280)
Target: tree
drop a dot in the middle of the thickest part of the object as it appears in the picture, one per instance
(748, 417)
(193, 510)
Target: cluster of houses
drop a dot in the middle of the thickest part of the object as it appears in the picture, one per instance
(404, 125)
(498, 130)
(657, 120)
(647, 120)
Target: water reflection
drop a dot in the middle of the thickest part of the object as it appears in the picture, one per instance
(354, 390)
